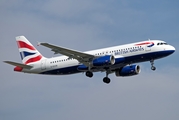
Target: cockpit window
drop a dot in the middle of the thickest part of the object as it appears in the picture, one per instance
(162, 43)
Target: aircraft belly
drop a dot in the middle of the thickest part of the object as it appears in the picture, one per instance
(65, 70)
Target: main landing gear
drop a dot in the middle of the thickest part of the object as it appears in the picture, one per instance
(105, 79)
(152, 65)
(89, 74)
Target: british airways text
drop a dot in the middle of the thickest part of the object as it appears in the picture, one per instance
(130, 50)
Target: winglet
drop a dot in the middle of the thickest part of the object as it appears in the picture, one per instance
(38, 43)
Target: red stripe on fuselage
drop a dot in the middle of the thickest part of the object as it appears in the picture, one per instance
(145, 43)
(22, 44)
(35, 59)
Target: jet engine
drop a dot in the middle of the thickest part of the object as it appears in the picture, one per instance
(128, 71)
(104, 61)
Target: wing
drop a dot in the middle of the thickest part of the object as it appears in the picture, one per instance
(80, 56)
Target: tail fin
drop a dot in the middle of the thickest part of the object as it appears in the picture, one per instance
(29, 54)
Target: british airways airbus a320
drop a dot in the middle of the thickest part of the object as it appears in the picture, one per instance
(118, 59)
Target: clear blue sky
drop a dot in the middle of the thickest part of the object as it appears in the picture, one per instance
(85, 25)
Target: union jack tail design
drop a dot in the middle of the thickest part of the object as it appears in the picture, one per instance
(29, 54)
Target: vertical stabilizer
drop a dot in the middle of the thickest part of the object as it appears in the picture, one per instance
(29, 54)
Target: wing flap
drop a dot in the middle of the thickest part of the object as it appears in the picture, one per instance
(18, 64)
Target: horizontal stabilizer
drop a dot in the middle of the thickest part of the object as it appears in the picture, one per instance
(19, 64)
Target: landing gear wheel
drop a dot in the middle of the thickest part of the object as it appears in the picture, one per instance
(152, 64)
(106, 80)
(153, 68)
(89, 74)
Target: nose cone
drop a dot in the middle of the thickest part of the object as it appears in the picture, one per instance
(170, 49)
(166, 50)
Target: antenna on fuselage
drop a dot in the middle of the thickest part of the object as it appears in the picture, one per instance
(148, 39)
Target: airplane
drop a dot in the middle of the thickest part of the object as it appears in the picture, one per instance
(120, 60)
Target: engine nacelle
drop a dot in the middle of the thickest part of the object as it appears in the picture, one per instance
(128, 71)
(82, 68)
(104, 61)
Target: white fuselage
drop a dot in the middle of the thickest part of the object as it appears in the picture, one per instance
(133, 53)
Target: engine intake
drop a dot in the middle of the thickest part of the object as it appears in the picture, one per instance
(104, 61)
(128, 71)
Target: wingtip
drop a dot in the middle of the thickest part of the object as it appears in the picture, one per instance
(38, 43)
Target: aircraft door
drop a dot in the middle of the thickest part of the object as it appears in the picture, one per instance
(43, 64)
(147, 48)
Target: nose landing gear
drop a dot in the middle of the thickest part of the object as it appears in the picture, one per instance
(152, 65)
